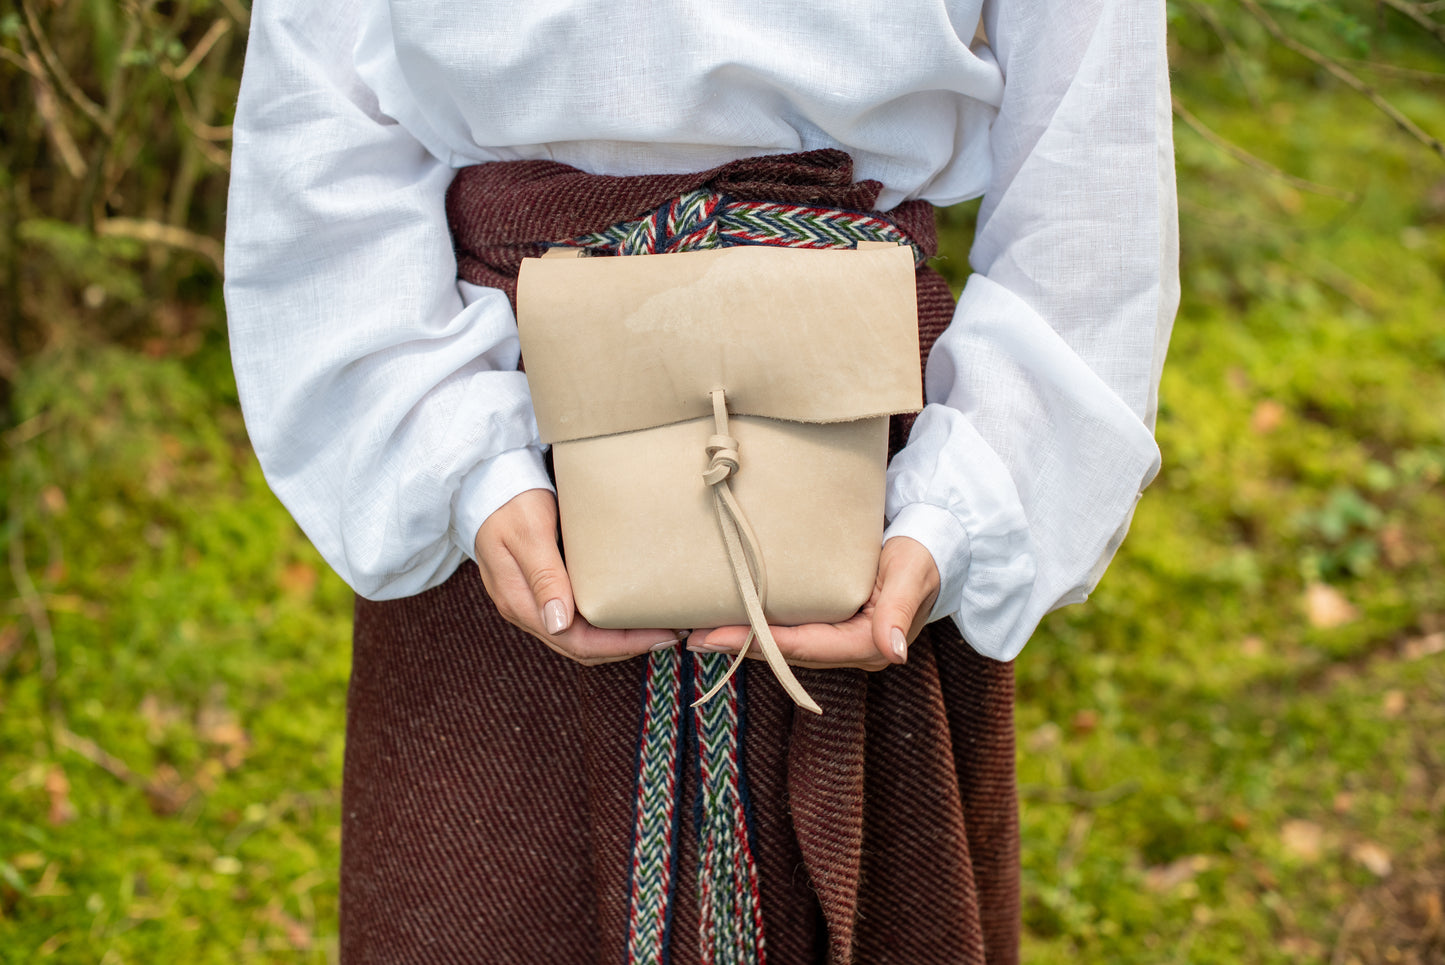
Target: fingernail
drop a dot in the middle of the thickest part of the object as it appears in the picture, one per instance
(900, 645)
(706, 648)
(664, 645)
(554, 615)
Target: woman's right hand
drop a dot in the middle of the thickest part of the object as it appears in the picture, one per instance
(523, 572)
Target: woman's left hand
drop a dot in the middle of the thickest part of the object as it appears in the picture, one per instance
(877, 636)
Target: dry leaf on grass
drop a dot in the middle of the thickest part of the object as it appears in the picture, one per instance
(167, 792)
(57, 786)
(1167, 877)
(1326, 607)
(298, 579)
(297, 933)
(1373, 857)
(1426, 646)
(1267, 417)
(1303, 839)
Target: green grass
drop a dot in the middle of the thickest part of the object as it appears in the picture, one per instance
(1208, 774)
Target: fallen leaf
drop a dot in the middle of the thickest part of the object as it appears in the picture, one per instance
(52, 498)
(298, 579)
(1251, 646)
(1426, 646)
(1430, 907)
(9, 639)
(1303, 839)
(1393, 703)
(58, 787)
(216, 724)
(1267, 417)
(159, 716)
(1344, 801)
(1373, 857)
(1326, 607)
(1084, 722)
(296, 932)
(1167, 877)
(167, 792)
(1395, 546)
(1299, 948)
(1046, 736)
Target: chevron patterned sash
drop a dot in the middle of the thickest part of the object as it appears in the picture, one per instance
(730, 912)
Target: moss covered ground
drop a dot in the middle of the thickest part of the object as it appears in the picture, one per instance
(1234, 752)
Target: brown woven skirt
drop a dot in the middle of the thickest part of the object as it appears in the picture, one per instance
(489, 783)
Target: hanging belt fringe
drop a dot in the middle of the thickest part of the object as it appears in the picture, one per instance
(729, 910)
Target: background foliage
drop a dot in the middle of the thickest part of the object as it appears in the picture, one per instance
(1234, 753)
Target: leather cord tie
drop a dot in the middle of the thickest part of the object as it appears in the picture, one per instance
(745, 556)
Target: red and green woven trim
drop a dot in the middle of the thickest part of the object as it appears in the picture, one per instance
(707, 219)
(730, 917)
(655, 827)
(730, 912)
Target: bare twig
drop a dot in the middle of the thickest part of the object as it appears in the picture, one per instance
(34, 608)
(54, 121)
(1414, 12)
(1255, 162)
(1346, 76)
(89, 210)
(58, 72)
(180, 72)
(202, 130)
(1354, 918)
(11, 57)
(153, 232)
(238, 13)
(1394, 70)
(98, 756)
(1078, 798)
(1231, 49)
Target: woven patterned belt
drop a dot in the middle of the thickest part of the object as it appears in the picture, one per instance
(730, 916)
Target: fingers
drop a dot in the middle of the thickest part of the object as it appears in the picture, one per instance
(903, 597)
(533, 546)
(524, 574)
(816, 645)
(877, 636)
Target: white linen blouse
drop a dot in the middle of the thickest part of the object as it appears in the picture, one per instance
(381, 394)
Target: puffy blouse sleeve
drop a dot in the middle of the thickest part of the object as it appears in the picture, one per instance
(381, 397)
(1023, 470)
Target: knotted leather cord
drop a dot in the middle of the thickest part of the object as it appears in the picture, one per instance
(746, 558)
(729, 919)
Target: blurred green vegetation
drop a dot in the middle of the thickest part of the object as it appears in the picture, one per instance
(1235, 752)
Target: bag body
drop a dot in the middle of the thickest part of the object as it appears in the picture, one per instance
(812, 351)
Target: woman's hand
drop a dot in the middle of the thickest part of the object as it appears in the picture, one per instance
(878, 635)
(523, 572)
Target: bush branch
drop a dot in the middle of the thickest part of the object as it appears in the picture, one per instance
(1345, 76)
(1255, 162)
(153, 232)
(1418, 15)
(203, 47)
(58, 72)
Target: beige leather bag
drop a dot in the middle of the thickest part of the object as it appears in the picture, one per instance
(719, 428)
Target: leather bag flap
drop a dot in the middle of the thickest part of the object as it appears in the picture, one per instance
(624, 343)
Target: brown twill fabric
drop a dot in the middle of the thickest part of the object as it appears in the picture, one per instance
(488, 794)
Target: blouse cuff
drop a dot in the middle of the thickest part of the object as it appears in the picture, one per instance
(491, 484)
(945, 538)
(973, 523)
